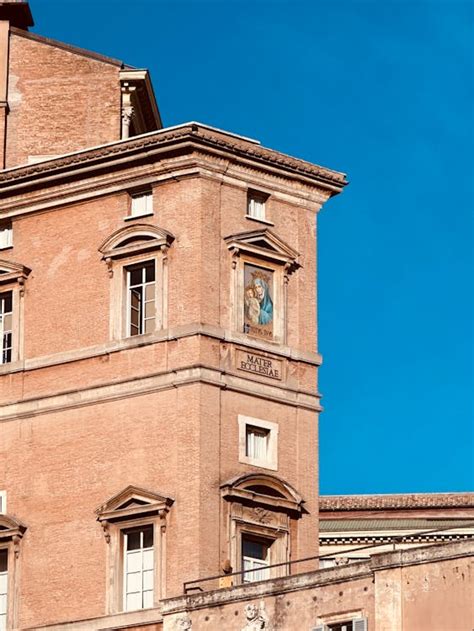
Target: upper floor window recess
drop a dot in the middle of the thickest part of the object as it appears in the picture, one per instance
(141, 203)
(6, 327)
(256, 206)
(6, 235)
(356, 624)
(141, 292)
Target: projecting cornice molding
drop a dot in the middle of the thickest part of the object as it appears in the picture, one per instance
(264, 243)
(405, 501)
(132, 502)
(13, 273)
(184, 139)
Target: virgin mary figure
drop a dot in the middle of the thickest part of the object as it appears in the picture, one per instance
(262, 293)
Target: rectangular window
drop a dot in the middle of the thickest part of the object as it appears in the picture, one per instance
(256, 442)
(6, 327)
(255, 556)
(3, 588)
(256, 206)
(141, 204)
(6, 236)
(341, 626)
(141, 298)
(3, 502)
(138, 569)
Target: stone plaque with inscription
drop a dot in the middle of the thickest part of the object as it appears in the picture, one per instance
(259, 364)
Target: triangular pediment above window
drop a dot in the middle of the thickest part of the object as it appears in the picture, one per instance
(132, 502)
(13, 272)
(263, 243)
(10, 527)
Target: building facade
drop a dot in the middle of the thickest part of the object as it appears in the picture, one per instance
(158, 375)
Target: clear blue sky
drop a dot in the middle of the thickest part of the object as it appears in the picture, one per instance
(382, 91)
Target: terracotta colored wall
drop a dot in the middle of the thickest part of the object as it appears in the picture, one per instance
(59, 101)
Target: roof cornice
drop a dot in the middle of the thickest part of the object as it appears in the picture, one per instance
(395, 501)
(194, 135)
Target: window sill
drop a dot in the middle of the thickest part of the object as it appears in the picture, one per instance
(130, 217)
(265, 221)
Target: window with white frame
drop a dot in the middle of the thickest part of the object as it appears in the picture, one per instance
(256, 205)
(3, 502)
(138, 568)
(6, 326)
(3, 588)
(6, 236)
(141, 294)
(255, 557)
(356, 624)
(258, 442)
(141, 203)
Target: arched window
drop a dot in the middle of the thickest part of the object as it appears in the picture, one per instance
(260, 509)
(136, 257)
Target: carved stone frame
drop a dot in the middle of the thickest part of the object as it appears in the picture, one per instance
(134, 244)
(247, 512)
(12, 278)
(11, 533)
(133, 507)
(264, 249)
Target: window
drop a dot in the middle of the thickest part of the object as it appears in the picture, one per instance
(3, 502)
(138, 567)
(134, 525)
(256, 205)
(258, 442)
(256, 557)
(11, 533)
(141, 298)
(260, 511)
(141, 204)
(6, 236)
(6, 326)
(137, 263)
(356, 624)
(3, 588)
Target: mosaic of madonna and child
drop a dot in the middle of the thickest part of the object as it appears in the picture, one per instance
(258, 301)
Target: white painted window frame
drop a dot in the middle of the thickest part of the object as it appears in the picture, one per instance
(141, 204)
(4, 592)
(126, 556)
(143, 285)
(6, 236)
(3, 502)
(252, 563)
(270, 461)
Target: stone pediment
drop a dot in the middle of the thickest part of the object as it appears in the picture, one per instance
(263, 243)
(135, 240)
(13, 272)
(10, 528)
(133, 501)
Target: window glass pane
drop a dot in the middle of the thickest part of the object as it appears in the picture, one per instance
(134, 582)
(150, 272)
(3, 560)
(149, 309)
(133, 601)
(7, 322)
(148, 537)
(3, 603)
(3, 583)
(136, 276)
(148, 559)
(150, 325)
(133, 540)
(254, 549)
(6, 301)
(150, 292)
(148, 579)
(147, 599)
